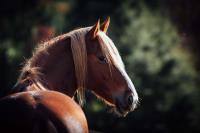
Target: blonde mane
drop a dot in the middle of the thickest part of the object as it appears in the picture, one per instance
(79, 53)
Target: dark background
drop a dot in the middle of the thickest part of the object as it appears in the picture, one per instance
(159, 43)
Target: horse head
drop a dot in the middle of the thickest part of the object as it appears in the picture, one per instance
(106, 74)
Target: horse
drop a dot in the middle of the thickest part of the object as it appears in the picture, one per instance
(85, 58)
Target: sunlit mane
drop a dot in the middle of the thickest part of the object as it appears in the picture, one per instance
(79, 52)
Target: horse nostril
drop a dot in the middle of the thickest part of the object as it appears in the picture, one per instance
(130, 100)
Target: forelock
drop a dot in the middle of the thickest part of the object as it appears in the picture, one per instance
(109, 50)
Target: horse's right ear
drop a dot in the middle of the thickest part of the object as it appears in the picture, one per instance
(95, 29)
(104, 26)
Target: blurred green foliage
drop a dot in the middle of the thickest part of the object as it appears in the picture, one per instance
(161, 69)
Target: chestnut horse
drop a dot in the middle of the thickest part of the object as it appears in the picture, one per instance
(85, 58)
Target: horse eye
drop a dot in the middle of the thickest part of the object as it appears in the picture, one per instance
(102, 59)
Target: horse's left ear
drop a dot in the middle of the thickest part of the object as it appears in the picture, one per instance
(95, 29)
(104, 26)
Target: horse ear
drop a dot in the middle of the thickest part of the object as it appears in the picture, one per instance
(104, 26)
(93, 32)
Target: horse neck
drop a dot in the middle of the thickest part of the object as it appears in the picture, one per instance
(57, 67)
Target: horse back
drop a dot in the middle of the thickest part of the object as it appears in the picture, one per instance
(41, 112)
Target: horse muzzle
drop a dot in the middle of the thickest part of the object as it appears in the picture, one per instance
(126, 104)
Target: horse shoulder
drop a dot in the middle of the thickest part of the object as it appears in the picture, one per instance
(62, 107)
